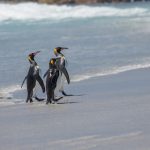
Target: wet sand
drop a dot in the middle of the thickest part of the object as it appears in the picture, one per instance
(112, 114)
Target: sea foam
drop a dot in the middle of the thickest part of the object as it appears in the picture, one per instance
(116, 70)
(35, 11)
(7, 92)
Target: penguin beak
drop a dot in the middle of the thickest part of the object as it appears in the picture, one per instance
(62, 48)
(31, 56)
(35, 53)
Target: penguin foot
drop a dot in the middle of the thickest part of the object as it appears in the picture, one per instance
(47, 102)
(31, 101)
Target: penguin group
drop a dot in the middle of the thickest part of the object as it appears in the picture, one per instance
(55, 77)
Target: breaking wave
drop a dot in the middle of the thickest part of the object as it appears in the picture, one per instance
(7, 92)
(116, 70)
(35, 11)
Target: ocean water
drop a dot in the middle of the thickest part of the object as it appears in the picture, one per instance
(102, 39)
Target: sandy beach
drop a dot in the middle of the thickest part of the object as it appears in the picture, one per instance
(112, 115)
(108, 61)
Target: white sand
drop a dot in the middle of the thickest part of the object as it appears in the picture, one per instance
(113, 115)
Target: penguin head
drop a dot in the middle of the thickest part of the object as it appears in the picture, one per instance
(58, 50)
(32, 55)
(52, 63)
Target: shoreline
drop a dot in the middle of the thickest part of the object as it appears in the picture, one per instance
(87, 83)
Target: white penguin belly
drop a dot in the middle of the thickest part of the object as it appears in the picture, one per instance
(60, 84)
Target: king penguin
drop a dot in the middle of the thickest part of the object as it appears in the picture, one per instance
(32, 77)
(63, 73)
(51, 80)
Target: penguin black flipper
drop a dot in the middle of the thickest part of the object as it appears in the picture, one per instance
(65, 72)
(38, 78)
(61, 66)
(23, 81)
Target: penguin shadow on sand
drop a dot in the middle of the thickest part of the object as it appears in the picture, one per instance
(32, 77)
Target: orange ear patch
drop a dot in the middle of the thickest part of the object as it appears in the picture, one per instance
(55, 51)
(29, 58)
(52, 61)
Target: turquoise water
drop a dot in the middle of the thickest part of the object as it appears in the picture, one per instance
(102, 39)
